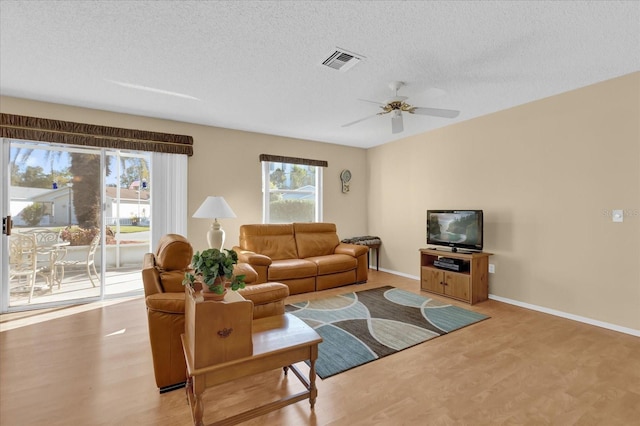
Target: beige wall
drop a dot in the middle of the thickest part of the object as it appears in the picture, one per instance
(225, 162)
(545, 174)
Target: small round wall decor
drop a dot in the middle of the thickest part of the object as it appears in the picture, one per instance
(345, 177)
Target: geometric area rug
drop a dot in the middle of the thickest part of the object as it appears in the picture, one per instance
(361, 327)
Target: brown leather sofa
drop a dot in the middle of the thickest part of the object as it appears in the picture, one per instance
(304, 256)
(162, 275)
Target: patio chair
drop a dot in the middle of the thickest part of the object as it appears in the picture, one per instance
(48, 244)
(23, 259)
(89, 263)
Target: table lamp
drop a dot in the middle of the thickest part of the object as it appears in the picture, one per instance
(214, 208)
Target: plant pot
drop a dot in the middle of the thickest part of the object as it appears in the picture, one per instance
(210, 295)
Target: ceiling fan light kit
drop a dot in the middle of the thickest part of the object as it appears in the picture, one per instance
(397, 105)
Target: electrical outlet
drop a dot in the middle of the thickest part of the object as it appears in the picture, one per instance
(492, 268)
(618, 215)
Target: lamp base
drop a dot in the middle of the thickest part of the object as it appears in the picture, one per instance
(215, 236)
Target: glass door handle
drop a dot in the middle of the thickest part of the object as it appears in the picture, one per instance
(7, 223)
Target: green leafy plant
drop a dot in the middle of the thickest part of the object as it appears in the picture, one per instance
(33, 214)
(212, 264)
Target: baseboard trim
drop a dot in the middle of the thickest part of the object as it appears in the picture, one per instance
(590, 321)
(389, 271)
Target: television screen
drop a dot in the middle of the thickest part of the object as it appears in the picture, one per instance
(455, 228)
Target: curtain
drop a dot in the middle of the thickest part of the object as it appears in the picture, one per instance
(69, 132)
(168, 160)
(168, 195)
(293, 160)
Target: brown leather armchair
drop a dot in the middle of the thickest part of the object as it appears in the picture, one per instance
(162, 275)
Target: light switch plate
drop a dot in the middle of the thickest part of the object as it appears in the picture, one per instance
(617, 215)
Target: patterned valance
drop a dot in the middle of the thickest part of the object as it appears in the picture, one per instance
(293, 160)
(68, 132)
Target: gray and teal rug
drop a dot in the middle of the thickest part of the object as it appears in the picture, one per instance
(361, 327)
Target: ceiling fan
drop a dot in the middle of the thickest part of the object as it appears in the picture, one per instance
(397, 106)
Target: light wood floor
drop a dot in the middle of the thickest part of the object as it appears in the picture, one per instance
(518, 368)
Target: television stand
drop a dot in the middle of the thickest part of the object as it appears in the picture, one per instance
(470, 285)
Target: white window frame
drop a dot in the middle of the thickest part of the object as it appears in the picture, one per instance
(267, 191)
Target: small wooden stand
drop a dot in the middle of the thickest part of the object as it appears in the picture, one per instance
(247, 349)
(222, 330)
(470, 285)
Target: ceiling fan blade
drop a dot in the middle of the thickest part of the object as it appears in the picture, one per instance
(357, 121)
(396, 122)
(436, 112)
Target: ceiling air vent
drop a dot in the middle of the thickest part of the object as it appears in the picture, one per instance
(342, 60)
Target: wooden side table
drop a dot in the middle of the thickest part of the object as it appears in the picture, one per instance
(278, 341)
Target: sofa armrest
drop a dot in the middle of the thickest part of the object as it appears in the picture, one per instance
(252, 258)
(354, 250)
(268, 298)
(243, 268)
(264, 293)
(168, 303)
(259, 262)
(165, 315)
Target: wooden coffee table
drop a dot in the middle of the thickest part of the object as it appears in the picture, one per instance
(278, 342)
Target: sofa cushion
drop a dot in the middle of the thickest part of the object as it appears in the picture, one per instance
(172, 281)
(315, 239)
(274, 240)
(291, 268)
(334, 263)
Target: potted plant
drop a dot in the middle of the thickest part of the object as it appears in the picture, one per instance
(214, 269)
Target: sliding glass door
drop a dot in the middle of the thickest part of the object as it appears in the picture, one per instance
(81, 223)
(127, 219)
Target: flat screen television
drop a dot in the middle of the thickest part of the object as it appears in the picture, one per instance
(458, 229)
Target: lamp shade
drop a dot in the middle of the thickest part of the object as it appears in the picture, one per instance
(214, 208)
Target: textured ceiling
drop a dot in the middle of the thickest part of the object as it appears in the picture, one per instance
(255, 65)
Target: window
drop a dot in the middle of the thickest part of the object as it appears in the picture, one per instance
(292, 190)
